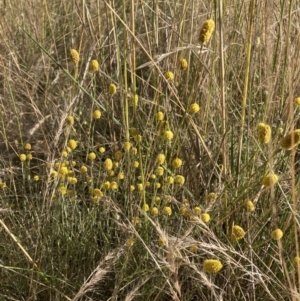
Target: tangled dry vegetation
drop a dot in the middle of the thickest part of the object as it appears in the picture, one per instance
(149, 150)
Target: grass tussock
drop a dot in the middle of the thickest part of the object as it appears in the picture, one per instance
(149, 150)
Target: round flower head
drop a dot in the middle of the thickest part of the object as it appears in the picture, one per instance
(92, 156)
(101, 149)
(212, 266)
(118, 155)
(83, 169)
(177, 163)
(130, 242)
(205, 217)
(237, 233)
(96, 114)
(36, 178)
(108, 164)
(291, 140)
(134, 99)
(296, 262)
(170, 180)
(167, 211)
(160, 116)
(169, 75)
(127, 146)
(113, 185)
(29, 157)
(159, 171)
(160, 159)
(193, 248)
(249, 206)
(27, 146)
(179, 180)
(72, 144)
(145, 207)
(206, 31)
(154, 211)
(297, 102)
(211, 197)
(70, 120)
(22, 157)
(183, 64)
(197, 210)
(74, 56)
(168, 135)
(270, 180)
(277, 234)
(137, 138)
(194, 108)
(94, 66)
(112, 89)
(264, 133)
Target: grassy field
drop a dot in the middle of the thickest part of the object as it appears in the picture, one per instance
(149, 150)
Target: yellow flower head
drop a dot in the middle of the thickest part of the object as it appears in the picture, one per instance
(212, 266)
(98, 193)
(237, 233)
(137, 138)
(277, 234)
(197, 210)
(193, 248)
(101, 149)
(94, 66)
(296, 262)
(118, 156)
(121, 175)
(270, 180)
(194, 108)
(291, 140)
(127, 146)
(70, 120)
(29, 157)
(108, 164)
(159, 171)
(113, 185)
(62, 190)
(134, 99)
(160, 159)
(154, 211)
(22, 157)
(249, 205)
(167, 210)
(170, 180)
(183, 64)
(112, 89)
(169, 75)
(91, 156)
(206, 31)
(205, 217)
(177, 163)
(97, 114)
(105, 185)
(160, 116)
(264, 133)
(130, 242)
(168, 135)
(27, 146)
(297, 102)
(133, 150)
(72, 144)
(211, 197)
(145, 207)
(74, 56)
(179, 180)
(83, 169)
